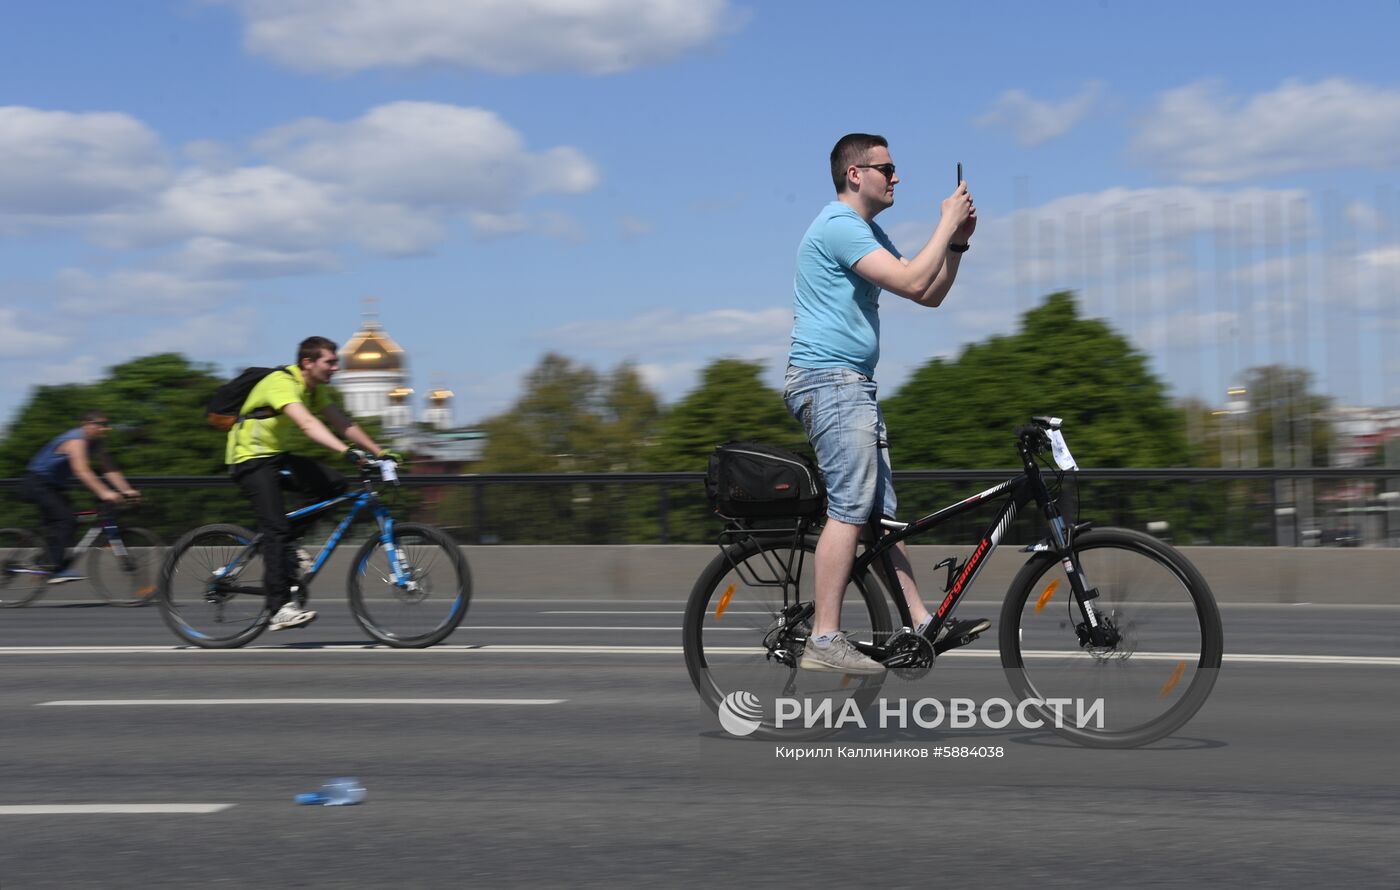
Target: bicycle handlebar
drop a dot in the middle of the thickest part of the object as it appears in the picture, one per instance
(388, 469)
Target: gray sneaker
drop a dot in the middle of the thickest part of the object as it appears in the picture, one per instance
(839, 656)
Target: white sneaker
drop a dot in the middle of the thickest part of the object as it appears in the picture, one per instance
(291, 615)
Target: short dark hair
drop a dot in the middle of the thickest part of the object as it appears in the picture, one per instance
(95, 416)
(850, 149)
(310, 348)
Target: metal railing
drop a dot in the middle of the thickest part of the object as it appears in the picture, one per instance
(1241, 507)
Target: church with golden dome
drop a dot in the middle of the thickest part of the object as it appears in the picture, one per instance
(374, 382)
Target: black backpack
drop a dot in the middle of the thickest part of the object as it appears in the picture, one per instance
(228, 399)
(750, 480)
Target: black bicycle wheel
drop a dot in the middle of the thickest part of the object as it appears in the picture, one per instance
(21, 577)
(424, 602)
(1156, 675)
(210, 591)
(746, 624)
(129, 578)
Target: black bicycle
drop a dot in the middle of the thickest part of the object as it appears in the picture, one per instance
(409, 586)
(1096, 614)
(122, 562)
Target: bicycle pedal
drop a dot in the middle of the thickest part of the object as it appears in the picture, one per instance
(952, 642)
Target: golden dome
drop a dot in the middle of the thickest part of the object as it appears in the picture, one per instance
(439, 396)
(399, 394)
(371, 349)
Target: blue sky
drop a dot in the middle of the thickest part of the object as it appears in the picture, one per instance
(627, 180)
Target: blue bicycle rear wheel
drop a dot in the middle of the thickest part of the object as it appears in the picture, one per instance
(210, 591)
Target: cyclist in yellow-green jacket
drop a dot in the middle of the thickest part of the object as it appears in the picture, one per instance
(297, 397)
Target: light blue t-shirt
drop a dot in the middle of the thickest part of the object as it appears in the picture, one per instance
(836, 313)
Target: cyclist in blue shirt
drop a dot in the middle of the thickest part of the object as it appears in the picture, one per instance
(843, 263)
(50, 474)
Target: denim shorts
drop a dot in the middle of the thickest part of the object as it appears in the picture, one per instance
(838, 409)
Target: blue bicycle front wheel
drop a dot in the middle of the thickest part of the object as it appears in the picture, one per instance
(415, 595)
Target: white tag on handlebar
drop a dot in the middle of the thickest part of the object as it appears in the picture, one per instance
(1063, 459)
(388, 471)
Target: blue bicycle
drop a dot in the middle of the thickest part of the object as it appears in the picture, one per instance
(408, 587)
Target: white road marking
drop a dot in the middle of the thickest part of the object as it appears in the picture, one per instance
(85, 809)
(492, 648)
(147, 702)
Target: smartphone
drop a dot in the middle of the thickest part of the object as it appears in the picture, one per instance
(959, 172)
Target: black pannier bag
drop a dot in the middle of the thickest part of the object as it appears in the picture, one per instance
(750, 480)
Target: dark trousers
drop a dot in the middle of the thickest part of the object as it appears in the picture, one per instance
(58, 523)
(263, 480)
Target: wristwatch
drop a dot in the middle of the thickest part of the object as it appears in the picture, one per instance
(959, 248)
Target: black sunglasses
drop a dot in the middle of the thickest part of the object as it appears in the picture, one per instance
(887, 169)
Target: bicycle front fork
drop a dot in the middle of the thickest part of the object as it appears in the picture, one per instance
(1094, 630)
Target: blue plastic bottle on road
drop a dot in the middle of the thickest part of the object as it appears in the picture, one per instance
(343, 792)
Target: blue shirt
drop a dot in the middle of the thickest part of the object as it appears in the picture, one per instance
(836, 313)
(52, 465)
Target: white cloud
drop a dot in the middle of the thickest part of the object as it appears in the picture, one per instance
(1198, 134)
(18, 339)
(502, 36)
(235, 332)
(147, 292)
(214, 258)
(495, 225)
(57, 164)
(428, 154)
(1363, 215)
(1383, 259)
(264, 206)
(1034, 121)
(389, 182)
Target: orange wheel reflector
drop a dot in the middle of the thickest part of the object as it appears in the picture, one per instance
(724, 601)
(1175, 679)
(1045, 597)
(845, 680)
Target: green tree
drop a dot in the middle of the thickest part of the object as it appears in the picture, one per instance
(962, 413)
(731, 402)
(1287, 420)
(157, 404)
(569, 419)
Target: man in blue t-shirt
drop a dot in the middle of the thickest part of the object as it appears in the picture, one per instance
(70, 457)
(843, 263)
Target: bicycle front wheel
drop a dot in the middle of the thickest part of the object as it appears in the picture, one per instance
(127, 579)
(746, 624)
(422, 602)
(21, 578)
(210, 592)
(1161, 665)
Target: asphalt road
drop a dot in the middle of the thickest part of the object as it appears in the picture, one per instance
(559, 742)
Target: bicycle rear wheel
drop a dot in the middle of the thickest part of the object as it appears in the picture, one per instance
(21, 578)
(210, 591)
(130, 579)
(746, 623)
(431, 603)
(1157, 673)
